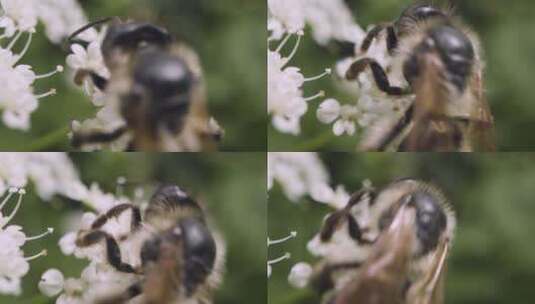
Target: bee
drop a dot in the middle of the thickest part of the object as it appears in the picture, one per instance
(400, 247)
(157, 87)
(440, 61)
(181, 258)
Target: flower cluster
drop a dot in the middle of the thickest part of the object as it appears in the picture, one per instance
(13, 264)
(108, 117)
(340, 248)
(99, 279)
(286, 103)
(19, 18)
(303, 173)
(51, 173)
(329, 20)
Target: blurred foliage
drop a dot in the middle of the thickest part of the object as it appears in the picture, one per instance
(230, 185)
(230, 39)
(506, 32)
(492, 258)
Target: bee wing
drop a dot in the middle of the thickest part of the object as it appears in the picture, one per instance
(430, 288)
(383, 276)
(481, 129)
(432, 129)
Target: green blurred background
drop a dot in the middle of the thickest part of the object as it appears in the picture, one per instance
(492, 259)
(232, 187)
(230, 37)
(506, 32)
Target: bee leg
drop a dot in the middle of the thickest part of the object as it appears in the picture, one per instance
(79, 139)
(100, 82)
(379, 75)
(113, 252)
(370, 35)
(335, 219)
(355, 232)
(117, 211)
(131, 292)
(391, 39)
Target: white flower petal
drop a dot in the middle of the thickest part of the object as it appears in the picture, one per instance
(328, 111)
(51, 282)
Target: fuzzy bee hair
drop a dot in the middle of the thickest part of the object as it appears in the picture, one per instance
(434, 227)
(181, 256)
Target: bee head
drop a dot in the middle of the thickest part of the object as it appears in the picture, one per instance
(430, 213)
(164, 80)
(171, 196)
(131, 36)
(415, 13)
(454, 50)
(195, 252)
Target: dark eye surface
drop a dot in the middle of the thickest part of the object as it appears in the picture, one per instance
(133, 35)
(430, 218)
(199, 252)
(164, 75)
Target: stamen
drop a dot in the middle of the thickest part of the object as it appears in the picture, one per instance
(284, 239)
(286, 256)
(294, 51)
(49, 93)
(283, 42)
(33, 257)
(14, 40)
(327, 72)
(121, 182)
(26, 47)
(319, 95)
(50, 230)
(58, 69)
(19, 201)
(8, 196)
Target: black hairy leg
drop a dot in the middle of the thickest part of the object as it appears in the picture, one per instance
(379, 75)
(116, 211)
(113, 252)
(391, 38)
(79, 139)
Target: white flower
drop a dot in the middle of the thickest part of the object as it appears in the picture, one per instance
(298, 174)
(99, 279)
(17, 99)
(88, 59)
(346, 116)
(301, 174)
(329, 19)
(286, 256)
(332, 20)
(51, 282)
(300, 275)
(286, 103)
(52, 173)
(61, 18)
(13, 264)
(289, 13)
(328, 111)
(18, 15)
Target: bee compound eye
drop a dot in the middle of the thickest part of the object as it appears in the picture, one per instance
(199, 252)
(162, 74)
(430, 219)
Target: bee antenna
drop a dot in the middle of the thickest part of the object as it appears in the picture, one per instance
(87, 26)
